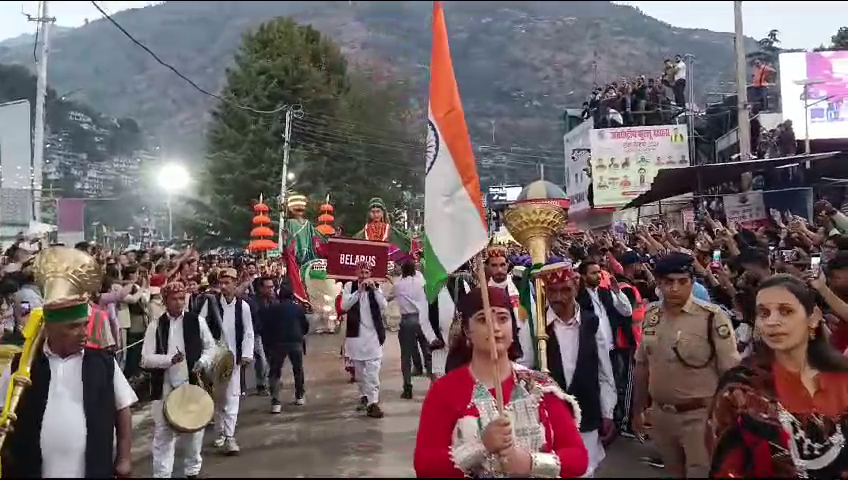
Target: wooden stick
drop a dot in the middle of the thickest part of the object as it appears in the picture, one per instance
(490, 323)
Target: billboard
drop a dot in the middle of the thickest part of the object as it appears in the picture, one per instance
(827, 99)
(16, 163)
(625, 160)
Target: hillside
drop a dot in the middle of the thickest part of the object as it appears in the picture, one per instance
(518, 64)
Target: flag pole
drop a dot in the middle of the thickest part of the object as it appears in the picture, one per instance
(490, 323)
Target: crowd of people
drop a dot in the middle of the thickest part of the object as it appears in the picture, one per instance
(730, 334)
(726, 341)
(639, 101)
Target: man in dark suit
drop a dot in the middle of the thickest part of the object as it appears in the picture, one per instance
(283, 327)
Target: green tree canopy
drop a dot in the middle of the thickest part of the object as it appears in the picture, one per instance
(840, 40)
(349, 142)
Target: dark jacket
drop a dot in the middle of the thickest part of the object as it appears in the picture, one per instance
(282, 322)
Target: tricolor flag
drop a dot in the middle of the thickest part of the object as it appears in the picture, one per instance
(454, 220)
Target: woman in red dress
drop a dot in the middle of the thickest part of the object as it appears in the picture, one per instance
(783, 412)
(461, 433)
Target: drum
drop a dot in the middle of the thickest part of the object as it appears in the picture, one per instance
(188, 408)
(223, 363)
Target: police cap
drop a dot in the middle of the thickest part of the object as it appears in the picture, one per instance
(674, 262)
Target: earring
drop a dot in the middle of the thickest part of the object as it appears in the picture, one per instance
(812, 334)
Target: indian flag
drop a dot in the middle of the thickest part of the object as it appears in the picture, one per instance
(454, 220)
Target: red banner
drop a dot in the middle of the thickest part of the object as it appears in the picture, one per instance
(344, 253)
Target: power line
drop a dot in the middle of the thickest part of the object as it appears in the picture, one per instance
(178, 73)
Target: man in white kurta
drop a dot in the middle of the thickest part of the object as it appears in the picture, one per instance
(63, 427)
(561, 289)
(176, 374)
(227, 407)
(365, 350)
(568, 336)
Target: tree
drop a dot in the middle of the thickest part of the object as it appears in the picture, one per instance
(768, 49)
(840, 40)
(340, 145)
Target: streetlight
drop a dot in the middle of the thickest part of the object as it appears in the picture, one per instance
(173, 177)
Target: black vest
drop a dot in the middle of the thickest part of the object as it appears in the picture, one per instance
(585, 384)
(353, 319)
(22, 457)
(193, 349)
(239, 325)
(618, 322)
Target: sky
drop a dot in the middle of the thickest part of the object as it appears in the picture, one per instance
(801, 24)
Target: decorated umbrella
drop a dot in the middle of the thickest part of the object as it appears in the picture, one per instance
(261, 234)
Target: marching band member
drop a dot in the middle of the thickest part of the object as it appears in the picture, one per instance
(78, 403)
(364, 335)
(579, 361)
(460, 432)
(176, 347)
(237, 331)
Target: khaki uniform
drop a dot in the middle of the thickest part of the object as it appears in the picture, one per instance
(683, 379)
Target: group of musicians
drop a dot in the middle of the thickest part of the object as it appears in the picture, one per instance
(73, 416)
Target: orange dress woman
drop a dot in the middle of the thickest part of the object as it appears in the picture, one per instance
(783, 412)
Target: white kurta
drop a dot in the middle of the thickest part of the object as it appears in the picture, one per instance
(164, 437)
(63, 428)
(622, 305)
(226, 411)
(568, 336)
(364, 350)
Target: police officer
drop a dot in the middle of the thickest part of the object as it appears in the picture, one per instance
(687, 345)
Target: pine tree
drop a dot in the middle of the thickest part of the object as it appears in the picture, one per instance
(339, 146)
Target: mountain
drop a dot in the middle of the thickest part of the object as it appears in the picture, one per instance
(28, 39)
(518, 64)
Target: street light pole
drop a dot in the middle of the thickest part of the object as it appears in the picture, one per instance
(40, 95)
(284, 177)
(744, 129)
(170, 218)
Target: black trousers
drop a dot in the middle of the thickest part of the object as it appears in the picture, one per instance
(411, 338)
(679, 89)
(623, 360)
(277, 354)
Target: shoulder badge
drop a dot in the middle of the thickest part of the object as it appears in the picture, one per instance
(653, 317)
(723, 331)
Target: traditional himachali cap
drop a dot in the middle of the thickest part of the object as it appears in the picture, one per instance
(173, 288)
(557, 272)
(496, 250)
(228, 272)
(377, 202)
(296, 200)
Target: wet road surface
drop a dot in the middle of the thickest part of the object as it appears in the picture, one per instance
(327, 437)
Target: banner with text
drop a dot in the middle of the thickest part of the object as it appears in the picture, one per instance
(625, 160)
(344, 253)
(747, 209)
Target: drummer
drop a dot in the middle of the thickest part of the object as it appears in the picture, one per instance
(177, 346)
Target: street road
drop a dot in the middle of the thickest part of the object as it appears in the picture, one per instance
(328, 438)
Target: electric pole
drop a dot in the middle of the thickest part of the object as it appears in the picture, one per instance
(44, 22)
(284, 176)
(744, 130)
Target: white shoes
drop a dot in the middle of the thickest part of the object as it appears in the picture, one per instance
(276, 408)
(219, 442)
(300, 401)
(231, 447)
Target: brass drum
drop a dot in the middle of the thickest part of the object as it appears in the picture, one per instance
(188, 408)
(220, 371)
